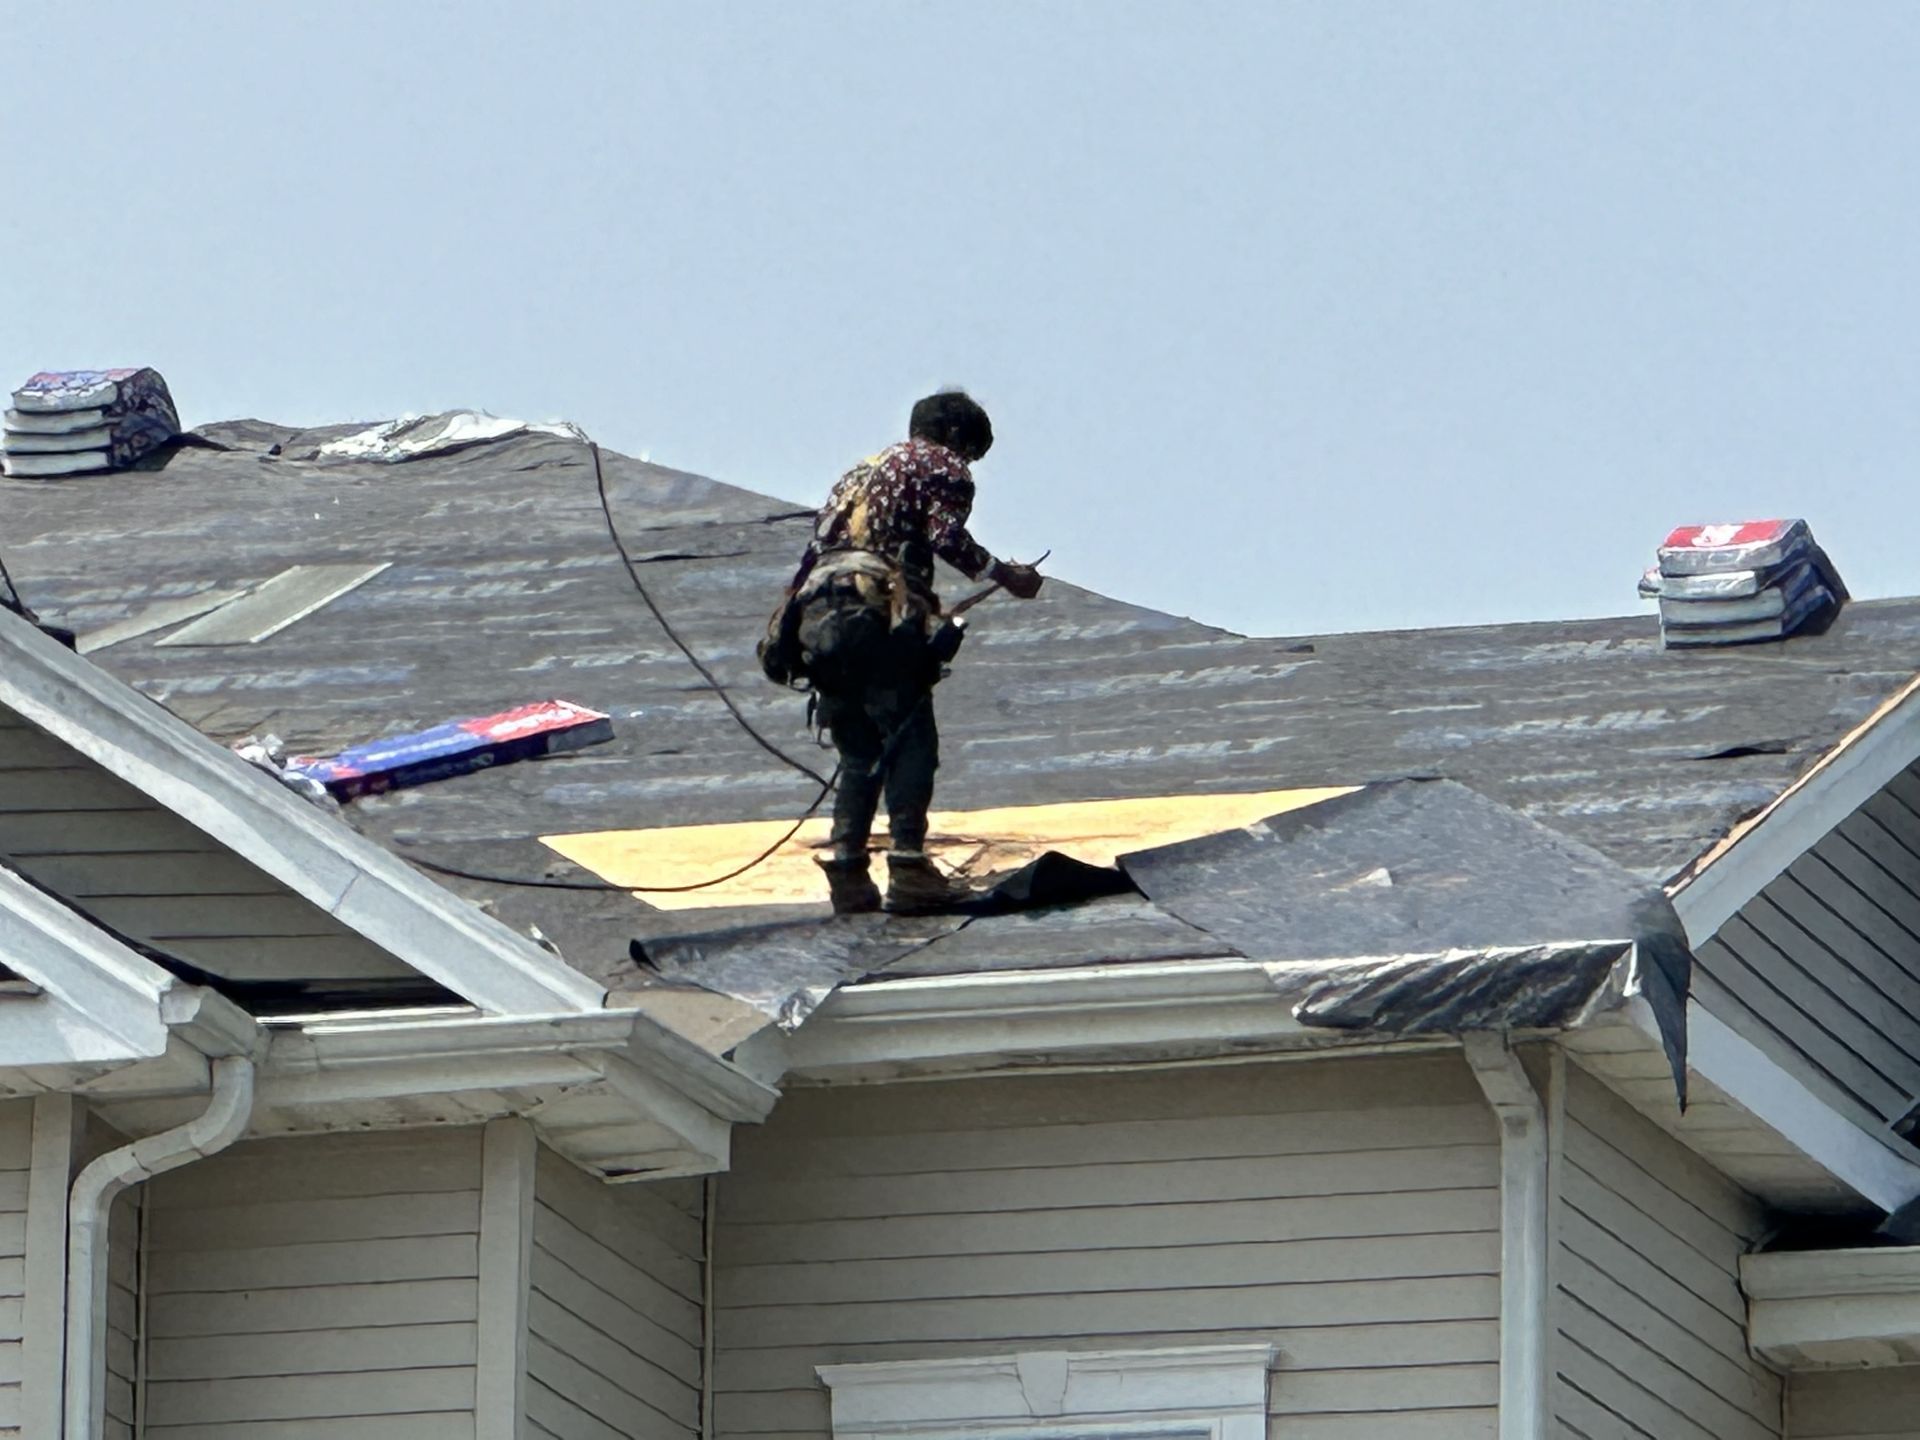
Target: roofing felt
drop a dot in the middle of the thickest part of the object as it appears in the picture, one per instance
(502, 587)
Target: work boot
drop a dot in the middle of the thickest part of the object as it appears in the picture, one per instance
(915, 885)
(850, 885)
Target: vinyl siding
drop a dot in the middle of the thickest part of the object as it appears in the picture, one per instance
(16, 1153)
(613, 1310)
(88, 835)
(1855, 1405)
(316, 1287)
(1822, 968)
(1650, 1323)
(1346, 1210)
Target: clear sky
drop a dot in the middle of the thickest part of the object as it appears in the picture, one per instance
(1292, 317)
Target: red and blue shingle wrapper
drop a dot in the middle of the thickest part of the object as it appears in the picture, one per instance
(458, 747)
(78, 422)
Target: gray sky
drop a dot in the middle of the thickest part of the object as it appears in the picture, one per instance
(1292, 317)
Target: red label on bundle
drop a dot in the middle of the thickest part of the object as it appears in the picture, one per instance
(1715, 537)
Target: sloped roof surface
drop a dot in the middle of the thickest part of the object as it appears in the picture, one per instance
(504, 588)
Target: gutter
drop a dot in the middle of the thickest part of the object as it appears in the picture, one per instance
(88, 1208)
(1524, 1320)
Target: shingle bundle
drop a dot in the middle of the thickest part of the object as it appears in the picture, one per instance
(1735, 584)
(72, 422)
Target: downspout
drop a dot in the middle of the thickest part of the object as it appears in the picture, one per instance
(1524, 1318)
(88, 1206)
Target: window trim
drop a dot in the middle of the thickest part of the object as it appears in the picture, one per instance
(1202, 1392)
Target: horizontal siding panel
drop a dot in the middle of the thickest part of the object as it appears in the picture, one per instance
(436, 1257)
(302, 1397)
(1347, 1173)
(380, 1217)
(433, 1302)
(317, 1286)
(1319, 1132)
(457, 1425)
(1345, 1211)
(137, 829)
(1172, 1267)
(310, 1352)
(406, 1162)
(1258, 1307)
(599, 1396)
(1101, 1227)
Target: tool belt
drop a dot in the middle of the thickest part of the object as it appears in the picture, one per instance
(862, 577)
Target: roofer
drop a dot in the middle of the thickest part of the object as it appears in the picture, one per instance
(863, 625)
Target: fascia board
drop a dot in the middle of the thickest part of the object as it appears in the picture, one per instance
(100, 1000)
(1714, 887)
(321, 859)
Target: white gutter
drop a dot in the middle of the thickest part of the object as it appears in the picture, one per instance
(88, 1207)
(1524, 1317)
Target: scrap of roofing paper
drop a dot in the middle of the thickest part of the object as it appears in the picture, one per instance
(787, 968)
(785, 971)
(411, 436)
(1422, 907)
(974, 843)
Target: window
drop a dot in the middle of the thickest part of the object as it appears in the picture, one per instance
(1213, 1392)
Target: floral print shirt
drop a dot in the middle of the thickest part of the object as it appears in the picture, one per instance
(910, 502)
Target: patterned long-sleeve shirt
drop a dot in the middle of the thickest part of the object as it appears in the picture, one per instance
(910, 502)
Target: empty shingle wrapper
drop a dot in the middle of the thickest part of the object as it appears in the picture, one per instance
(78, 422)
(1739, 583)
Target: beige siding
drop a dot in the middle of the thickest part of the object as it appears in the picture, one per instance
(16, 1152)
(1347, 1211)
(73, 827)
(613, 1313)
(1822, 967)
(1650, 1321)
(316, 1287)
(1855, 1405)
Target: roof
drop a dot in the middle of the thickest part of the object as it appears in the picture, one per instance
(503, 587)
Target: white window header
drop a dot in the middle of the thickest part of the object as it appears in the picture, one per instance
(1211, 1392)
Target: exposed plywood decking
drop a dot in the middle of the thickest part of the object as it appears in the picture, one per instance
(1650, 1324)
(317, 1286)
(614, 1311)
(1347, 1211)
(971, 842)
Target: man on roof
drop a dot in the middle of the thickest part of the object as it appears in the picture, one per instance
(863, 625)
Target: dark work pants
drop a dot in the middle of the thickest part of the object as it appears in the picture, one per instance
(876, 700)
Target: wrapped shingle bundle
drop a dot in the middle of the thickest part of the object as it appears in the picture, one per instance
(73, 422)
(1736, 584)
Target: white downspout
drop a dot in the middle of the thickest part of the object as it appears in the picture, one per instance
(1524, 1317)
(88, 1206)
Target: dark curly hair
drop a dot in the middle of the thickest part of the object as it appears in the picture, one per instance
(954, 419)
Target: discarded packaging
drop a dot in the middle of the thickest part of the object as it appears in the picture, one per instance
(458, 747)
